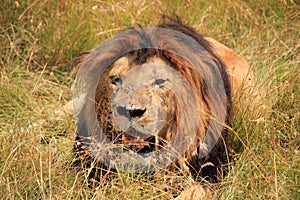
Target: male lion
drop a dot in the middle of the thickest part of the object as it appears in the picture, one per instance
(148, 97)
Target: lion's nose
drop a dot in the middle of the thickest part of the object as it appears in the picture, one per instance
(136, 112)
(131, 113)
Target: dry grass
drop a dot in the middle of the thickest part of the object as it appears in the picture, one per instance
(39, 39)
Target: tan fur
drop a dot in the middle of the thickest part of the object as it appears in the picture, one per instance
(242, 79)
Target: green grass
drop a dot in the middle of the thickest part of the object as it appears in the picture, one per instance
(40, 38)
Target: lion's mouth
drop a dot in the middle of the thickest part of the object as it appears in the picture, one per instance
(138, 142)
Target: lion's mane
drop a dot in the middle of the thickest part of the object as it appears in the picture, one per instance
(211, 64)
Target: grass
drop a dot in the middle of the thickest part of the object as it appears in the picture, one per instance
(39, 39)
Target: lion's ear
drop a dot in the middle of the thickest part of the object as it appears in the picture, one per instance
(78, 60)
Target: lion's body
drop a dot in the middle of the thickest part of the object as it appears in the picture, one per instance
(238, 69)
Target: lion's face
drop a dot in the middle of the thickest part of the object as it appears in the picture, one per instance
(142, 109)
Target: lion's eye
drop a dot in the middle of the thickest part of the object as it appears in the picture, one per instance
(115, 80)
(159, 81)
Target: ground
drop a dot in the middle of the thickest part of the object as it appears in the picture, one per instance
(39, 40)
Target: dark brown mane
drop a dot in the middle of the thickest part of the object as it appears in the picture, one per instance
(176, 24)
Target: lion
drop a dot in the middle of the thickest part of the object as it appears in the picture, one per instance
(136, 104)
